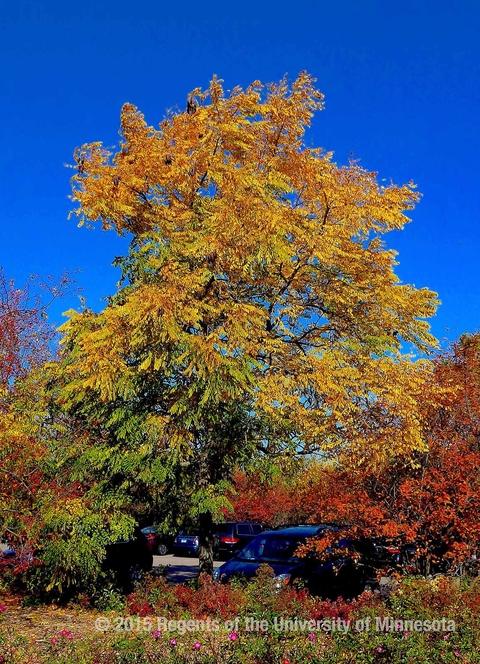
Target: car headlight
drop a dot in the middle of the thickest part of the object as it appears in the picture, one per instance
(281, 580)
(216, 574)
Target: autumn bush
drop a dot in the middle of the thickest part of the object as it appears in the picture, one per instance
(135, 635)
(431, 499)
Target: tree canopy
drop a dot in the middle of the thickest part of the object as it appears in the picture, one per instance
(259, 312)
(257, 271)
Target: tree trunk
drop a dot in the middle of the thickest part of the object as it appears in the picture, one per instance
(205, 551)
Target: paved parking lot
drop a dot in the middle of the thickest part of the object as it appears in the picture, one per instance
(179, 569)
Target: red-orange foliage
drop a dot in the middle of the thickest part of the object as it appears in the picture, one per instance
(272, 503)
(433, 500)
(26, 343)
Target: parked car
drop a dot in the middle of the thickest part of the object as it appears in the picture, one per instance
(388, 552)
(186, 543)
(277, 548)
(158, 542)
(233, 536)
(129, 559)
(14, 558)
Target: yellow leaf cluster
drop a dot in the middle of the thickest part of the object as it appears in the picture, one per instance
(260, 273)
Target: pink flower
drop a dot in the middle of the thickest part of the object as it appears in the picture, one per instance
(379, 649)
(456, 653)
(54, 640)
(173, 642)
(233, 636)
(445, 637)
(65, 632)
(3, 608)
(406, 635)
(157, 634)
(197, 645)
(312, 637)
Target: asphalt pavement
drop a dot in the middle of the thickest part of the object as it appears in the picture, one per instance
(179, 569)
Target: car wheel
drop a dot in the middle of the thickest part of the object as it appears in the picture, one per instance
(162, 549)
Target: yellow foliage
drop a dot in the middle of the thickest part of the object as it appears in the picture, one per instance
(259, 273)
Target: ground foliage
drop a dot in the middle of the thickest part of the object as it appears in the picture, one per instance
(69, 635)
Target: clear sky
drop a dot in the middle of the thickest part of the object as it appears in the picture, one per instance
(402, 91)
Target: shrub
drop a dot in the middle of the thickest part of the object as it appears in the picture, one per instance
(139, 638)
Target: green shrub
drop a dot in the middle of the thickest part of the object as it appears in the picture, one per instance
(136, 637)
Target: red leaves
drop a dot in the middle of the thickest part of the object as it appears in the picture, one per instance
(25, 333)
(436, 503)
(210, 598)
(26, 343)
(270, 502)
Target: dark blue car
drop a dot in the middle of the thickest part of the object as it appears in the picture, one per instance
(341, 576)
(186, 543)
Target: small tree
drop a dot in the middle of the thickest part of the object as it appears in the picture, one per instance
(27, 342)
(259, 312)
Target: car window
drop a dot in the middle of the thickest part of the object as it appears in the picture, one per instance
(244, 529)
(256, 528)
(272, 549)
(224, 529)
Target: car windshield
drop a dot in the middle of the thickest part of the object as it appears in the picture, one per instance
(272, 549)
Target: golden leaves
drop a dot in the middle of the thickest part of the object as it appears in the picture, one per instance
(260, 270)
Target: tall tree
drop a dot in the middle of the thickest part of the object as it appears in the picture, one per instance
(259, 311)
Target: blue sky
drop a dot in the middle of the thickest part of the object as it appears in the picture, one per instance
(402, 91)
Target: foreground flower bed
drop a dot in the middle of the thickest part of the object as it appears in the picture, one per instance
(421, 622)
